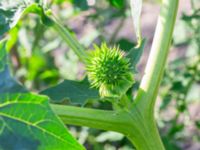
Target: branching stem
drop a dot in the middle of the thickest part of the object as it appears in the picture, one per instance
(94, 118)
(156, 63)
(137, 122)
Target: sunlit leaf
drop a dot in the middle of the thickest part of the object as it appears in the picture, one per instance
(27, 122)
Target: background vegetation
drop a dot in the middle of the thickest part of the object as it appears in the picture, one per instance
(41, 59)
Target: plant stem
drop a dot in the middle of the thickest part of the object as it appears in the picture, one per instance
(137, 123)
(156, 63)
(94, 118)
(140, 132)
(70, 40)
(147, 139)
(146, 97)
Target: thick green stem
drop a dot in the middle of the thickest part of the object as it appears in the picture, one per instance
(156, 63)
(148, 91)
(139, 131)
(147, 139)
(94, 118)
(143, 134)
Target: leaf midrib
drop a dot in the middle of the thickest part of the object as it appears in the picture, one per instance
(30, 124)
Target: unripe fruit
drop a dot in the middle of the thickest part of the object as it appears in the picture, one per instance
(110, 71)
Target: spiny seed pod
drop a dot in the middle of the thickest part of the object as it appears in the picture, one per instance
(109, 70)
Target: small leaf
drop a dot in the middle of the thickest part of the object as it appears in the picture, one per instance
(78, 92)
(125, 44)
(82, 5)
(9, 17)
(194, 15)
(178, 127)
(27, 122)
(170, 143)
(135, 54)
(197, 123)
(117, 3)
(166, 101)
(178, 86)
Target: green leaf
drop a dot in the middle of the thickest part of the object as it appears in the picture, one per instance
(7, 83)
(194, 15)
(125, 44)
(135, 54)
(78, 92)
(82, 5)
(117, 3)
(27, 122)
(170, 143)
(9, 21)
(166, 101)
(197, 123)
(177, 127)
(9, 17)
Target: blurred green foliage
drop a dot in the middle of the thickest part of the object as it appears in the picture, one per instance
(181, 84)
(41, 59)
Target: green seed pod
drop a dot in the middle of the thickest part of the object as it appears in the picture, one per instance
(110, 71)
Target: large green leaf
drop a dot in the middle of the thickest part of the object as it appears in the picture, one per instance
(27, 122)
(7, 83)
(78, 92)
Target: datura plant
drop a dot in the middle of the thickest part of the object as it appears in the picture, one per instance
(39, 124)
(110, 71)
